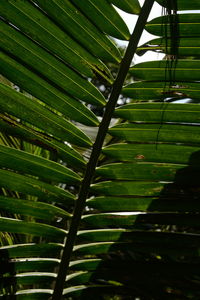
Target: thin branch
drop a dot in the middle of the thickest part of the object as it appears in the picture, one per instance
(103, 129)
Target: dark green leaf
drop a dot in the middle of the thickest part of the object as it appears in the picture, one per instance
(36, 229)
(180, 4)
(119, 204)
(75, 23)
(126, 235)
(183, 70)
(29, 264)
(49, 67)
(41, 29)
(130, 220)
(32, 294)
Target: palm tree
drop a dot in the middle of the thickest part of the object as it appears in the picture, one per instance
(91, 210)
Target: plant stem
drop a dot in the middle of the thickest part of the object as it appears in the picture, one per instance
(103, 128)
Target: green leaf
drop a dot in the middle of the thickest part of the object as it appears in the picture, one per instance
(187, 47)
(50, 68)
(35, 209)
(93, 248)
(31, 164)
(31, 21)
(135, 274)
(131, 7)
(33, 294)
(180, 4)
(172, 203)
(129, 188)
(31, 278)
(188, 25)
(82, 30)
(153, 153)
(15, 128)
(157, 112)
(85, 264)
(79, 278)
(142, 272)
(106, 247)
(33, 112)
(29, 264)
(128, 220)
(105, 17)
(40, 88)
(31, 186)
(36, 229)
(140, 171)
(89, 291)
(99, 235)
(31, 250)
(145, 90)
(126, 235)
(157, 133)
(183, 70)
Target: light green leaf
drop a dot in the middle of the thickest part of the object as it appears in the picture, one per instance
(15, 128)
(31, 250)
(188, 25)
(157, 133)
(31, 164)
(105, 17)
(129, 188)
(154, 153)
(35, 209)
(33, 112)
(31, 186)
(140, 171)
(187, 47)
(160, 112)
(30, 278)
(85, 264)
(129, 6)
(99, 235)
(146, 90)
